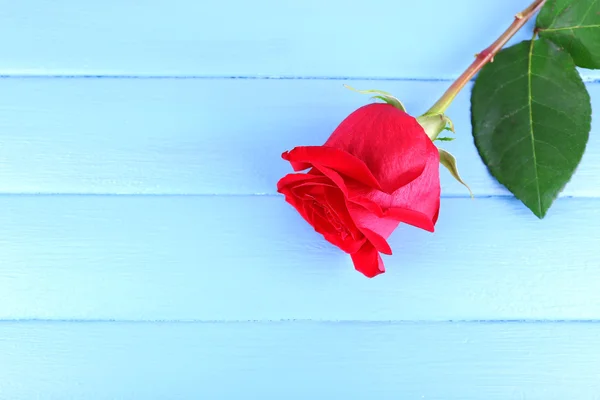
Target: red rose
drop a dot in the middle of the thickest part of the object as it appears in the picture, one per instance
(378, 168)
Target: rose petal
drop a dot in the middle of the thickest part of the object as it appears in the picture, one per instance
(417, 203)
(352, 191)
(411, 217)
(334, 176)
(366, 203)
(348, 245)
(391, 143)
(323, 226)
(296, 165)
(319, 222)
(338, 160)
(308, 212)
(337, 205)
(291, 185)
(314, 189)
(295, 179)
(366, 219)
(368, 261)
(378, 242)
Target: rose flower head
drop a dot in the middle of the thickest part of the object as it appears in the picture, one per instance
(377, 169)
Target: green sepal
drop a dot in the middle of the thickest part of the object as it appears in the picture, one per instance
(448, 161)
(445, 139)
(381, 95)
(434, 124)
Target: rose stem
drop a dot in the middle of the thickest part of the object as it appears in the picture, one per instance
(484, 57)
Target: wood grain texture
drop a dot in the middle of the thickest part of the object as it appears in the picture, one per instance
(261, 38)
(293, 360)
(174, 136)
(253, 258)
(144, 255)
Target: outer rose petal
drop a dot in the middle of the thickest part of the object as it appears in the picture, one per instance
(334, 176)
(365, 220)
(390, 142)
(368, 261)
(417, 203)
(378, 241)
(412, 217)
(304, 157)
(349, 246)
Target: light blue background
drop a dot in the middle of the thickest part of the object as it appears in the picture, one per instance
(145, 254)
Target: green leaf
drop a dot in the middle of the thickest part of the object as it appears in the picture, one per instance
(574, 25)
(531, 118)
(448, 161)
(381, 95)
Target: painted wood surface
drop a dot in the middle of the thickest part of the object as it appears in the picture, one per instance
(195, 136)
(310, 38)
(252, 258)
(145, 254)
(300, 360)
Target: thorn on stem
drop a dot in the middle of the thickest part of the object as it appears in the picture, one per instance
(519, 16)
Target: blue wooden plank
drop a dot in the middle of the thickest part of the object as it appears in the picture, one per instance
(253, 258)
(300, 360)
(194, 136)
(386, 38)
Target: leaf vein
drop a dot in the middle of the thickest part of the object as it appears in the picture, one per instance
(553, 147)
(510, 147)
(493, 95)
(566, 28)
(505, 117)
(556, 110)
(502, 68)
(530, 103)
(558, 15)
(551, 81)
(592, 4)
(554, 128)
